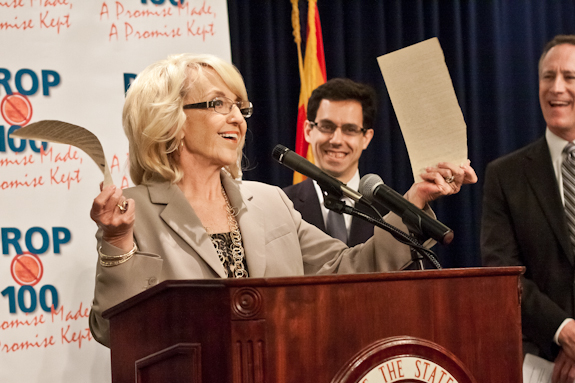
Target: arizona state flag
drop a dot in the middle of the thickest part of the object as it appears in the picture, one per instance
(311, 71)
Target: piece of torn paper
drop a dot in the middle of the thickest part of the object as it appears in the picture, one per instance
(66, 133)
(425, 104)
(537, 369)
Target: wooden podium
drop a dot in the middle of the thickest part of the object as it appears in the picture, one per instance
(455, 325)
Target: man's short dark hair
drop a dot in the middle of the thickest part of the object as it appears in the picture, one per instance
(343, 89)
(557, 40)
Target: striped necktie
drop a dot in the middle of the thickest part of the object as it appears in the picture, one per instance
(568, 174)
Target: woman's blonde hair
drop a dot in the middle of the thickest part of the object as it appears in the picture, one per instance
(153, 116)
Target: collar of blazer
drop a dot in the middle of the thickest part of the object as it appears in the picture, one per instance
(180, 217)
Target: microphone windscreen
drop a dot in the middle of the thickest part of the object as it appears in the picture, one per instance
(368, 184)
(278, 152)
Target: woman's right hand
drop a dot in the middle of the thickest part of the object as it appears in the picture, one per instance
(117, 225)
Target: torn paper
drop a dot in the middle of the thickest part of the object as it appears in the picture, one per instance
(69, 134)
(425, 104)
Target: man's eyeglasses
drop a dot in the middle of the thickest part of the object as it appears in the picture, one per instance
(328, 127)
(224, 105)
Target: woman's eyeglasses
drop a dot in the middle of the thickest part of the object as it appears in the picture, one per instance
(224, 105)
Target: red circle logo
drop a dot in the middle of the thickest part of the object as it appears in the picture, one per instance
(26, 269)
(16, 109)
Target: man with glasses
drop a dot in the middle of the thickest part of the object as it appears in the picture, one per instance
(340, 116)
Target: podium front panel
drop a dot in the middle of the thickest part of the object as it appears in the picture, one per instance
(306, 329)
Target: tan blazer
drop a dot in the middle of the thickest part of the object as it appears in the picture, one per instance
(173, 244)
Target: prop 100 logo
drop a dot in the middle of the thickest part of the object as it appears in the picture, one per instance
(27, 268)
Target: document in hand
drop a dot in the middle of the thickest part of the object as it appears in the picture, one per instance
(66, 133)
(536, 369)
(425, 104)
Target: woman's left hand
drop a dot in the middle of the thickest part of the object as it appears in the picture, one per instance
(443, 179)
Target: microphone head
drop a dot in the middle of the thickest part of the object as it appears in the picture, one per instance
(368, 184)
(279, 152)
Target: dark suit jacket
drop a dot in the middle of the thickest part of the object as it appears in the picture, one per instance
(304, 198)
(524, 224)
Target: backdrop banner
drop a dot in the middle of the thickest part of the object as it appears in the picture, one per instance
(71, 60)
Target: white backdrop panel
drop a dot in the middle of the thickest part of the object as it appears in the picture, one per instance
(69, 59)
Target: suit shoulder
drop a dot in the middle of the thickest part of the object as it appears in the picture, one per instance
(293, 190)
(154, 191)
(257, 187)
(136, 191)
(518, 156)
(302, 190)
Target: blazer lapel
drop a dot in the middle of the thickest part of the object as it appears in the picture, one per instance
(309, 205)
(251, 220)
(181, 218)
(541, 177)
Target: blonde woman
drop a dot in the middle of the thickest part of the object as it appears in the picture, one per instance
(191, 216)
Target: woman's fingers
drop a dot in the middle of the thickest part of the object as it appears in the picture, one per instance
(112, 211)
(470, 176)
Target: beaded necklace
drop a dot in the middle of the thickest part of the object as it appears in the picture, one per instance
(237, 249)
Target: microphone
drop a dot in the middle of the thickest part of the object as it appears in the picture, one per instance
(373, 189)
(299, 164)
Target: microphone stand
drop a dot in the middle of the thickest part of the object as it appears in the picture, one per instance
(418, 251)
